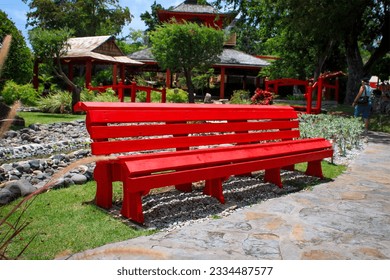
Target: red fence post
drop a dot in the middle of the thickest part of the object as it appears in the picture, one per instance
(164, 95)
(148, 98)
(120, 91)
(309, 95)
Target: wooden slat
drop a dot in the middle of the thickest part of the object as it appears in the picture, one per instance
(104, 148)
(118, 131)
(228, 155)
(156, 115)
(204, 173)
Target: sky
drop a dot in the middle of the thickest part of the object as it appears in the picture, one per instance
(16, 11)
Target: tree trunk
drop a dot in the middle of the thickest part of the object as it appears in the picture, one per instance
(355, 67)
(75, 89)
(190, 85)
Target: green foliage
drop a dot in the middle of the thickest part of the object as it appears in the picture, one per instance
(86, 18)
(19, 64)
(344, 132)
(240, 97)
(56, 102)
(186, 46)
(136, 41)
(103, 77)
(25, 93)
(177, 96)
(61, 101)
(49, 44)
(151, 19)
(312, 36)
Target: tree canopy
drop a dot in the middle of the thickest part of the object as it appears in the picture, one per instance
(85, 17)
(49, 46)
(19, 64)
(308, 34)
(184, 47)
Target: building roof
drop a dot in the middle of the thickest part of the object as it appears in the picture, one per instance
(232, 57)
(228, 58)
(101, 48)
(192, 6)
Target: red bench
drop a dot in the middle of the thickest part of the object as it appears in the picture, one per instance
(176, 144)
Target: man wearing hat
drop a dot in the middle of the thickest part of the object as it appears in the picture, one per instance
(362, 102)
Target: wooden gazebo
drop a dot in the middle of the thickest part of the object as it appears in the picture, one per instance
(89, 51)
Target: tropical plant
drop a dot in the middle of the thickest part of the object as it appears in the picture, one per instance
(240, 97)
(262, 97)
(185, 47)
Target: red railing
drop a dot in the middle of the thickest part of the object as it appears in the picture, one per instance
(134, 88)
(319, 86)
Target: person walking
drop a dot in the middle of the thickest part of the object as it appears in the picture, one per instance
(362, 103)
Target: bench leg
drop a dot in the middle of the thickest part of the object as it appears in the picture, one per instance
(273, 176)
(314, 169)
(102, 175)
(214, 188)
(132, 206)
(184, 187)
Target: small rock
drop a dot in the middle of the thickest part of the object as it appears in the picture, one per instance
(79, 179)
(5, 196)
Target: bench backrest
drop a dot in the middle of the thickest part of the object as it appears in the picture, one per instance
(135, 127)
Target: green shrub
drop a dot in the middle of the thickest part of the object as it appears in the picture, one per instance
(344, 132)
(56, 102)
(25, 93)
(177, 96)
(108, 96)
(155, 96)
(240, 97)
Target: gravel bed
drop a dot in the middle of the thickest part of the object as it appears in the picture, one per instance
(23, 157)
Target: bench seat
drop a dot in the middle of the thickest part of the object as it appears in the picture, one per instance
(176, 144)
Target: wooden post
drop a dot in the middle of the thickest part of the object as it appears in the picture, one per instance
(88, 73)
(222, 84)
(309, 96)
(148, 97)
(120, 91)
(319, 95)
(168, 80)
(164, 95)
(114, 74)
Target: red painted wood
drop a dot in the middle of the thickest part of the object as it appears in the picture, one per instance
(191, 142)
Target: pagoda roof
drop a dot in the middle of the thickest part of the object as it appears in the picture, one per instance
(190, 10)
(192, 6)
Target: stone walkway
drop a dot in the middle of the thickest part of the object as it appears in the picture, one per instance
(348, 218)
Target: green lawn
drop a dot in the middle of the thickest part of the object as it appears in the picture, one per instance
(44, 118)
(64, 221)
